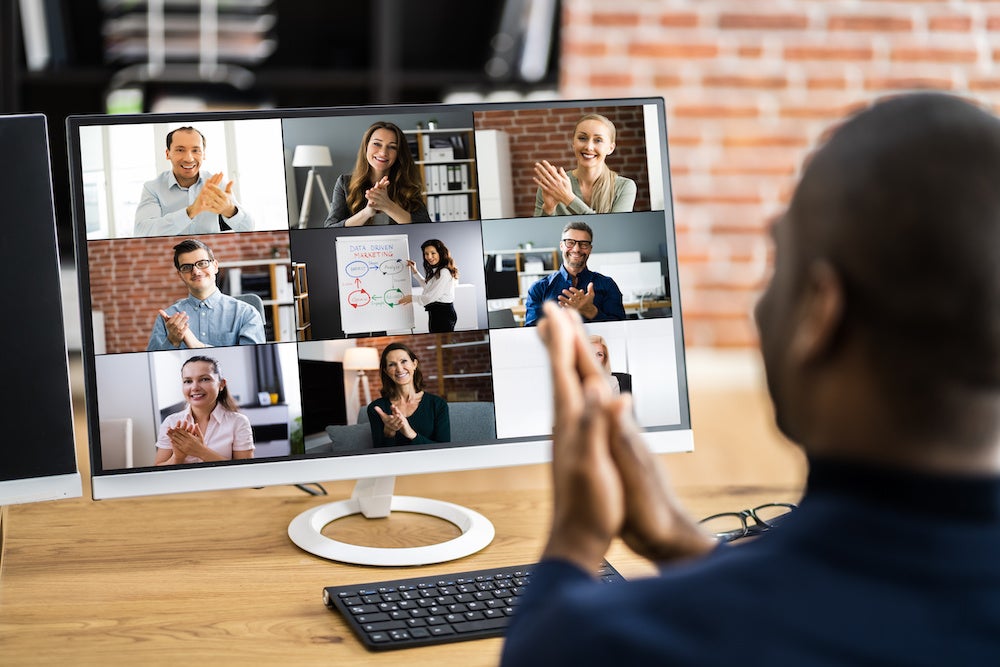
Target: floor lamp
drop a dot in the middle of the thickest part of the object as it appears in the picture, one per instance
(361, 359)
(312, 157)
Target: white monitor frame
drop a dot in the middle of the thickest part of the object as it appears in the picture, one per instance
(674, 435)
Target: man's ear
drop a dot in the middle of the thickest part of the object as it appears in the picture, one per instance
(821, 312)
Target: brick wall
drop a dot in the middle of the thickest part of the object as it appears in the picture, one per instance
(547, 134)
(749, 86)
(132, 283)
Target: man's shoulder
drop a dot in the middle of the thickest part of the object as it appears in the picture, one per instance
(240, 305)
(162, 180)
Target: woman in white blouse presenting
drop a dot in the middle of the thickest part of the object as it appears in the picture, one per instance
(211, 427)
(438, 297)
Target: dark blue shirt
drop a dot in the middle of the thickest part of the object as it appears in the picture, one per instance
(877, 566)
(607, 296)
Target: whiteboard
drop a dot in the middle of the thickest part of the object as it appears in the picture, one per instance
(373, 277)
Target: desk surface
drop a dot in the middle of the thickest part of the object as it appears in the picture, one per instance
(212, 578)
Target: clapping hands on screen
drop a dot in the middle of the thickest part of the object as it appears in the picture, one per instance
(555, 185)
(187, 440)
(214, 198)
(396, 423)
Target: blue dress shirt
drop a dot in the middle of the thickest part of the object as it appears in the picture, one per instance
(607, 296)
(217, 321)
(161, 210)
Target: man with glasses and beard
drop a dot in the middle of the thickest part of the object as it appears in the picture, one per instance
(206, 317)
(595, 296)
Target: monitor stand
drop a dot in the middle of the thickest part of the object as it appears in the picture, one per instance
(373, 498)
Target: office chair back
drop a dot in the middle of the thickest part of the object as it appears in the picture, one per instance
(255, 301)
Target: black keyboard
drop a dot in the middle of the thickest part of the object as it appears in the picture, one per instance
(436, 609)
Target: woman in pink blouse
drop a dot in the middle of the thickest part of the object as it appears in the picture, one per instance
(211, 427)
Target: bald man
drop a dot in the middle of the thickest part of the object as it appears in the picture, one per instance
(880, 334)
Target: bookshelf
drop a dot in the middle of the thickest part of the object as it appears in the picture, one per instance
(529, 264)
(269, 279)
(300, 293)
(447, 160)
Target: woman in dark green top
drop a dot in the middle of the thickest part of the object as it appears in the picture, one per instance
(406, 414)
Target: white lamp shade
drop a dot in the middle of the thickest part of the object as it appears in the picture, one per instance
(312, 156)
(361, 359)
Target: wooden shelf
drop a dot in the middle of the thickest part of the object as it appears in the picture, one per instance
(300, 290)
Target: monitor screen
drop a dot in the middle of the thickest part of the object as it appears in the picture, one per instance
(38, 454)
(307, 273)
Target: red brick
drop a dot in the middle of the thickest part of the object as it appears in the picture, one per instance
(950, 23)
(751, 51)
(744, 81)
(678, 20)
(616, 19)
(933, 54)
(729, 21)
(908, 83)
(815, 109)
(611, 80)
(826, 83)
(678, 139)
(586, 49)
(990, 84)
(841, 53)
(667, 81)
(863, 23)
(721, 197)
(765, 140)
(667, 50)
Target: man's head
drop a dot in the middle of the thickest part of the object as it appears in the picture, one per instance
(186, 151)
(576, 245)
(196, 266)
(886, 291)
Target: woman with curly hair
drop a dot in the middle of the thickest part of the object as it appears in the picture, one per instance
(385, 186)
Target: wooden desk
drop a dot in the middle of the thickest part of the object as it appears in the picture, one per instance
(212, 578)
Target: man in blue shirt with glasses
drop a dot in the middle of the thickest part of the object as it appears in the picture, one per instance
(206, 317)
(595, 296)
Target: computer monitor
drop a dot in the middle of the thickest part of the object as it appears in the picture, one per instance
(335, 296)
(38, 456)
